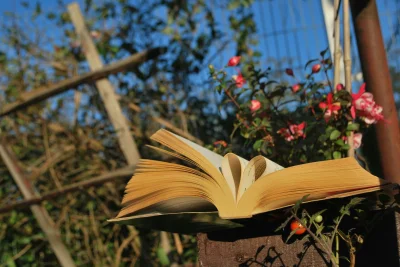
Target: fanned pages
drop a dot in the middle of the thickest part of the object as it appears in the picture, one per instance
(230, 186)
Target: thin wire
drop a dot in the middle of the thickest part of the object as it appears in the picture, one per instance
(317, 41)
(301, 13)
(278, 54)
(296, 37)
(284, 24)
(264, 30)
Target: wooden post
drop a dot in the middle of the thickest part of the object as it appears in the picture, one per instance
(255, 247)
(377, 77)
(347, 64)
(42, 216)
(106, 90)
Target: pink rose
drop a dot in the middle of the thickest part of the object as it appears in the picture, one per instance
(296, 88)
(364, 102)
(234, 61)
(255, 105)
(357, 137)
(293, 132)
(239, 80)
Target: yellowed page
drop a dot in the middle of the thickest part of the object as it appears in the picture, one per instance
(257, 167)
(232, 169)
(320, 180)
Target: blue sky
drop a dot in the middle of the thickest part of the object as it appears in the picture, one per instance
(290, 32)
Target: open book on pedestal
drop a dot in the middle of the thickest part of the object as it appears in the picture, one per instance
(214, 192)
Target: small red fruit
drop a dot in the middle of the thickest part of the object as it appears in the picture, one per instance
(316, 68)
(295, 224)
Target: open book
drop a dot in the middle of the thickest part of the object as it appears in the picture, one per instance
(215, 188)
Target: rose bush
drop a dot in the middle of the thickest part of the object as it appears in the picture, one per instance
(295, 121)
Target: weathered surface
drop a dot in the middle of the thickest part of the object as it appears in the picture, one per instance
(235, 249)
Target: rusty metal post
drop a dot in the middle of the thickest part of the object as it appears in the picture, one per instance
(377, 77)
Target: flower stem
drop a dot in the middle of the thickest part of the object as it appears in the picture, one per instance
(231, 98)
(337, 249)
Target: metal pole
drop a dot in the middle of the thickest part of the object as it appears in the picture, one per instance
(377, 77)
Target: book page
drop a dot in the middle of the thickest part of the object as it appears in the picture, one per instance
(256, 168)
(213, 157)
(319, 180)
(232, 169)
(208, 161)
(178, 205)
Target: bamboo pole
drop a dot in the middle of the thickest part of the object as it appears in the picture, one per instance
(106, 90)
(337, 48)
(347, 63)
(42, 216)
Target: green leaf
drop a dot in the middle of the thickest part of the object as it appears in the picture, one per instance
(328, 154)
(340, 142)
(283, 225)
(299, 202)
(320, 228)
(163, 257)
(353, 127)
(345, 147)
(337, 155)
(322, 53)
(10, 262)
(290, 235)
(38, 9)
(322, 138)
(329, 130)
(334, 135)
(257, 145)
(355, 201)
(51, 15)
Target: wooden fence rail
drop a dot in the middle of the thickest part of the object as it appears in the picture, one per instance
(42, 93)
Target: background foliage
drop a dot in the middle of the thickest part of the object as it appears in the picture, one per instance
(68, 138)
